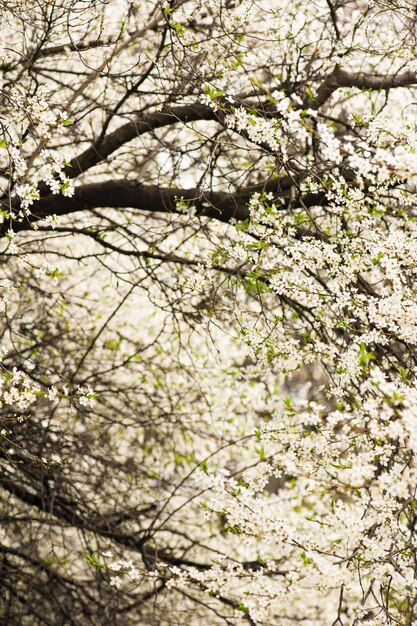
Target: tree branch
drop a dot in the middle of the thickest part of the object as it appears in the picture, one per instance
(120, 194)
(99, 151)
(341, 78)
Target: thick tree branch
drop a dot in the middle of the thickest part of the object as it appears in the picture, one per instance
(342, 78)
(98, 152)
(107, 145)
(121, 194)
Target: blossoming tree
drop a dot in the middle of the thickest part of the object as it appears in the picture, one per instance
(209, 312)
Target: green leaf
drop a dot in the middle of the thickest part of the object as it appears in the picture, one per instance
(92, 559)
(261, 452)
(364, 356)
(204, 466)
(306, 559)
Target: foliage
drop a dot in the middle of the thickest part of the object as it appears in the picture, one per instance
(209, 312)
